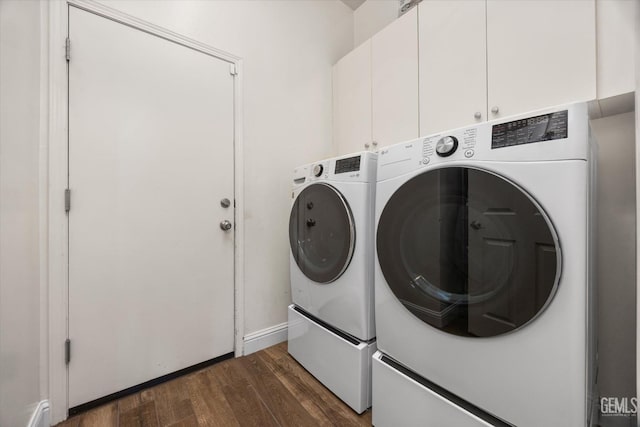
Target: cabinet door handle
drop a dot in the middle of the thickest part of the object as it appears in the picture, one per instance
(366, 145)
(495, 110)
(478, 115)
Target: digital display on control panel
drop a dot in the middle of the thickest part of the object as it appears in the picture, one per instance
(351, 164)
(533, 129)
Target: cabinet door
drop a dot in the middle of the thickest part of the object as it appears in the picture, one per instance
(394, 78)
(453, 72)
(540, 53)
(615, 34)
(352, 100)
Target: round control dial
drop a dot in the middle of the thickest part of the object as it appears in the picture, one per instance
(446, 146)
(317, 170)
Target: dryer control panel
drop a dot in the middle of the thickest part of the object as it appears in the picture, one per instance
(556, 133)
(545, 127)
(449, 144)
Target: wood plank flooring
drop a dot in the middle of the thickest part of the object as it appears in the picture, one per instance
(267, 388)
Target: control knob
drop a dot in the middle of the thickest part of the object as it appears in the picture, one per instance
(317, 170)
(446, 146)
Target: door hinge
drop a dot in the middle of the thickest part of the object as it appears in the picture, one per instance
(67, 351)
(233, 70)
(67, 200)
(67, 49)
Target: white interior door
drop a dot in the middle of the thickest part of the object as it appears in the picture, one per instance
(150, 158)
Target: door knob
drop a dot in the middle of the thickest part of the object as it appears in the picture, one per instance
(495, 110)
(478, 115)
(226, 225)
(225, 203)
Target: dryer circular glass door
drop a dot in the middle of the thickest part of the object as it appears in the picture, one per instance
(321, 233)
(468, 252)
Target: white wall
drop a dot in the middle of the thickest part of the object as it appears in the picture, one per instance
(616, 252)
(19, 232)
(288, 49)
(371, 17)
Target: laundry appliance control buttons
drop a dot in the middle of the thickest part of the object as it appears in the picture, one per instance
(446, 146)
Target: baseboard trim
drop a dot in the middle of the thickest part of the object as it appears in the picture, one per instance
(264, 338)
(40, 417)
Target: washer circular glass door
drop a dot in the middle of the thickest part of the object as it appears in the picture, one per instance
(468, 252)
(321, 233)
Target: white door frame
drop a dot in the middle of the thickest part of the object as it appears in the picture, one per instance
(56, 267)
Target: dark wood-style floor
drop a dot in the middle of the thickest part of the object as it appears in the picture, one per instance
(267, 388)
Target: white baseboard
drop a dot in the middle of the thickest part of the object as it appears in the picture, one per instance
(40, 417)
(265, 338)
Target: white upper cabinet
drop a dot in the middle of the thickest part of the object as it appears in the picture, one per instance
(448, 64)
(394, 79)
(539, 53)
(352, 100)
(453, 68)
(616, 21)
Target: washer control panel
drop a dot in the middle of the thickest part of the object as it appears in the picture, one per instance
(350, 164)
(356, 167)
(317, 170)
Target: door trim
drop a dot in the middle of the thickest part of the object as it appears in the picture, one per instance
(54, 176)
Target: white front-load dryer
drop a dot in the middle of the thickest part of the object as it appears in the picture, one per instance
(331, 320)
(484, 299)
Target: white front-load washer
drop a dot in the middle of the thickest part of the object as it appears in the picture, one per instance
(483, 294)
(331, 320)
